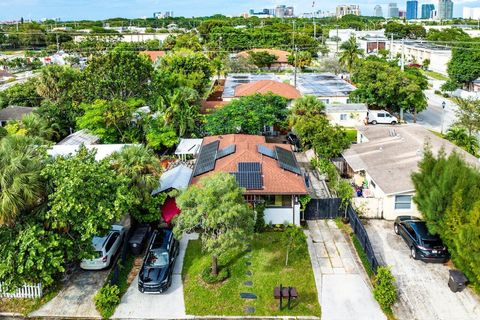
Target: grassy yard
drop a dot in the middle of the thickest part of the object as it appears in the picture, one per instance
(25, 306)
(351, 134)
(269, 271)
(435, 75)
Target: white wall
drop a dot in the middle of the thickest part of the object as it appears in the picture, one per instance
(353, 118)
(282, 215)
(390, 213)
(438, 58)
(329, 100)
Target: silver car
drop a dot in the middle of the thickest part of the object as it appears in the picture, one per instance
(105, 249)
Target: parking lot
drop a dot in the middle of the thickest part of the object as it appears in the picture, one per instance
(423, 290)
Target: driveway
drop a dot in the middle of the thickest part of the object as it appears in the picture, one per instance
(75, 300)
(168, 305)
(344, 291)
(423, 289)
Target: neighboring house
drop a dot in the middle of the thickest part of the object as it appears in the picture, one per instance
(269, 172)
(102, 150)
(176, 178)
(285, 90)
(188, 148)
(279, 64)
(155, 56)
(80, 137)
(234, 80)
(13, 113)
(327, 87)
(384, 159)
(347, 114)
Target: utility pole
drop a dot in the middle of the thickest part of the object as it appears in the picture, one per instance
(391, 47)
(295, 63)
(337, 39)
(402, 63)
(58, 43)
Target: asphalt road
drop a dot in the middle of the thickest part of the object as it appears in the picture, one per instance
(20, 78)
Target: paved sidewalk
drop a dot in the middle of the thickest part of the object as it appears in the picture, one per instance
(340, 279)
(168, 305)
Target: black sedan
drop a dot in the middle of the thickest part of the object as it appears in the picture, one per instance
(156, 273)
(423, 245)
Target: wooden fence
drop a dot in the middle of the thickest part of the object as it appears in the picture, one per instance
(27, 291)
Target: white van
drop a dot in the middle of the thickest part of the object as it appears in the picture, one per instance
(381, 116)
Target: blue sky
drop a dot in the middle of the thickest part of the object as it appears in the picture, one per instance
(101, 9)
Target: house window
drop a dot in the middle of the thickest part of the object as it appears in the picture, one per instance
(278, 201)
(403, 202)
(343, 117)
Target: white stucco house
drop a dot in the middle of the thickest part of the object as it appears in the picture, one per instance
(382, 162)
(347, 114)
(269, 172)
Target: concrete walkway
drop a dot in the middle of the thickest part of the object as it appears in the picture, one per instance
(75, 300)
(168, 305)
(344, 292)
(317, 187)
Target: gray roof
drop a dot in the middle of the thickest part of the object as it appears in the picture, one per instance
(235, 79)
(14, 113)
(188, 146)
(323, 85)
(176, 178)
(392, 154)
(80, 137)
(346, 107)
(102, 150)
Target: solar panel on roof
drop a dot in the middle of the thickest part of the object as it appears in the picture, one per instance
(266, 151)
(226, 151)
(249, 167)
(286, 160)
(249, 180)
(206, 158)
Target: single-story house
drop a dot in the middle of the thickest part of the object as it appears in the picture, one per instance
(102, 150)
(80, 137)
(13, 113)
(285, 90)
(327, 87)
(176, 178)
(382, 162)
(269, 172)
(280, 63)
(234, 80)
(347, 114)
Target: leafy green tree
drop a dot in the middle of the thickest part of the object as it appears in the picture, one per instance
(410, 31)
(468, 114)
(262, 59)
(22, 94)
(217, 209)
(303, 59)
(316, 132)
(188, 40)
(464, 66)
(60, 116)
(248, 115)
(21, 186)
(118, 74)
(85, 198)
(447, 35)
(159, 135)
(384, 289)
(306, 106)
(294, 239)
(56, 83)
(240, 65)
(142, 169)
(181, 110)
(111, 120)
(350, 54)
(32, 125)
(460, 137)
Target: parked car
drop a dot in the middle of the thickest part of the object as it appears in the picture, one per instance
(293, 140)
(423, 245)
(381, 116)
(155, 276)
(105, 249)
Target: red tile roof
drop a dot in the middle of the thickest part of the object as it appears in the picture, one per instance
(266, 86)
(154, 55)
(276, 181)
(209, 106)
(282, 56)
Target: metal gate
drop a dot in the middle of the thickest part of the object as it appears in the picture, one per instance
(328, 208)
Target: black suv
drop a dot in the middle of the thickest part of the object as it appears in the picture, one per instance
(423, 245)
(156, 273)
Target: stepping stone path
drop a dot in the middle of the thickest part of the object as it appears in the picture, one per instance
(248, 295)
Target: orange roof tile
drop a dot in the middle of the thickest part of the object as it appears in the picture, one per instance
(209, 106)
(154, 55)
(266, 86)
(282, 56)
(275, 179)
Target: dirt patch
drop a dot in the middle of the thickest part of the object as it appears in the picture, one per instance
(137, 265)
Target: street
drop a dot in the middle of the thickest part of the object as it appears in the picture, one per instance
(21, 77)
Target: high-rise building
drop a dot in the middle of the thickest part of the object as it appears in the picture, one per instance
(347, 9)
(280, 11)
(378, 11)
(445, 9)
(412, 9)
(427, 10)
(402, 13)
(289, 12)
(392, 10)
(471, 13)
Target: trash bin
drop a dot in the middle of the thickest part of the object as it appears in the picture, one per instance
(457, 281)
(138, 238)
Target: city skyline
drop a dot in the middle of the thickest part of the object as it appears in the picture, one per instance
(94, 9)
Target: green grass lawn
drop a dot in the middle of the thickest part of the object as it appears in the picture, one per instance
(269, 271)
(435, 75)
(351, 134)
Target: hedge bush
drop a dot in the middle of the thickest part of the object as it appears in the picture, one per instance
(107, 299)
(384, 289)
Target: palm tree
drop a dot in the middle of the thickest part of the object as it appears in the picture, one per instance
(37, 126)
(307, 106)
(350, 54)
(181, 110)
(22, 187)
(461, 138)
